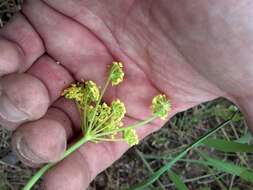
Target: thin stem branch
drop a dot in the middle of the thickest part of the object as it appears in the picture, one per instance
(139, 124)
(98, 103)
(98, 129)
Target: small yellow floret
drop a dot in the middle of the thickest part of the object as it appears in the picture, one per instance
(74, 92)
(103, 113)
(92, 90)
(131, 137)
(161, 106)
(116, 74)
(118, 110)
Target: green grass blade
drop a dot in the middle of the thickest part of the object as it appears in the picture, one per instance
(179, 184)
(228, 146)
(166, 167)
(242, 172)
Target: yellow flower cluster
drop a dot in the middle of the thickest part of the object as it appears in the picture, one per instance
(81, 93)
(116, 74)
(109, 119)
(103, 122)
(92, 91)
(130, 136)
(161, 106)
(75, 92)
(118, 110)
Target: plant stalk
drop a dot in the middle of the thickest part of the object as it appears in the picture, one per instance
(45, 168)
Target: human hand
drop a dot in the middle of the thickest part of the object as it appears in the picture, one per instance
(165, 49)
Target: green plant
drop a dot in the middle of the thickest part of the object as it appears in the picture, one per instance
(156, 175)
(220, 167)
(101, 122)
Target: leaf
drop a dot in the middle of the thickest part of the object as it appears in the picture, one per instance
(177, 181)
(242, 172)
(228, 146)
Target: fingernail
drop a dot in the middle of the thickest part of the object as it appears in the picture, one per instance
(10, 115)
(25, 153)
(35, 142)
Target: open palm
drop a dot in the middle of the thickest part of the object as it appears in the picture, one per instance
(165, 49)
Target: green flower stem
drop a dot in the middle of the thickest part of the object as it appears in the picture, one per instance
(107, 140)
(99, 100)
(134, 126)
(85, 119)
(98, 129)
(37, 176)
(45, 168)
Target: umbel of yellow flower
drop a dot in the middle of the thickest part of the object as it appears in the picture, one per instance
(74, 92)
(109, 118)
(81, 93)
(161, 106)
(130, 136)
(92, 90)
(101, 122)
(116, 74)
(118, 110)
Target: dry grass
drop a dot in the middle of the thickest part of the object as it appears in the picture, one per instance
(7, 9)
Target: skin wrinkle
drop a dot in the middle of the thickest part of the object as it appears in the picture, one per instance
(19, 48)
(24, 103)
(181, 88)
(22, 110)
(185, 58)
(24, 156)
(80, 24)
(187, 62)
(160, 90)
(110, 29)
(123, 29)
(102, 41)
(99, 39)
(68, 128)
(34, 53)
(41, 39)
(74, 72)
(72, 129)
(86, 165)
(70, 109)
(126, 54)
(60, 72)
(215, 36)
(14, 42)
(109, 154)
(48, 151)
